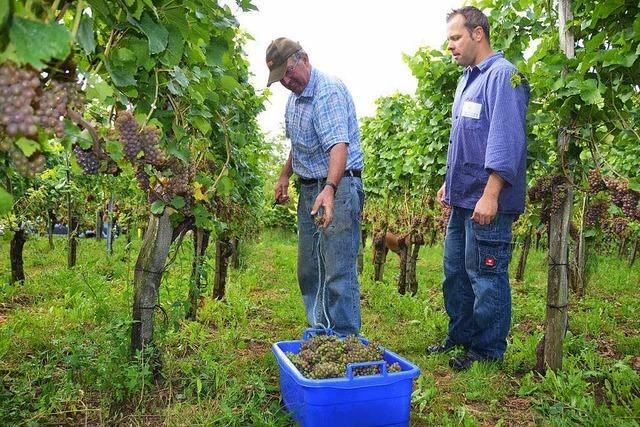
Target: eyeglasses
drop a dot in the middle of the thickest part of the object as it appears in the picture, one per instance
(290, 69)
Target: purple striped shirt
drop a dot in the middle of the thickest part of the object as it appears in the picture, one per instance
(488, 135)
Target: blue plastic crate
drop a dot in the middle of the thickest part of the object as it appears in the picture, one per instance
(374, 400)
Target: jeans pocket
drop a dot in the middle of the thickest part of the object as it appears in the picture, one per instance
(494, 246)
(493, 256)
(342, 209)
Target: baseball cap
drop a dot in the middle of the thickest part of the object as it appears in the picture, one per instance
(277, 54)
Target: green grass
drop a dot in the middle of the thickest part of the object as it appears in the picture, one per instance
(64, 339)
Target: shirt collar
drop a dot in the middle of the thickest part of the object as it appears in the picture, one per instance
(486, 63)
(311, 85)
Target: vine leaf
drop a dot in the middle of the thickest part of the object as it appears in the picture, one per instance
(157, 207)
(6, 201)
(54, 41)
(156, 33)
(85, 35)
(27, 146)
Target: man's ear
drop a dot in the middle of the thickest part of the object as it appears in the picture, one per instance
(478, 32)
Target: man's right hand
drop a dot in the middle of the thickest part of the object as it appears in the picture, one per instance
(440, 197)
(282, 190)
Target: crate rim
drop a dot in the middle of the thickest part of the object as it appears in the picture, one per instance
(344, 382)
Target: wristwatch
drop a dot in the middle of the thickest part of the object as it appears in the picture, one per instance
(332, 185)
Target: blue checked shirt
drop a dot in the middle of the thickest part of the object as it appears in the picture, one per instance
(317, 119)
(488, 135)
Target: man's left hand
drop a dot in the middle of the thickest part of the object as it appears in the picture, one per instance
(485, 210)
(324, 200)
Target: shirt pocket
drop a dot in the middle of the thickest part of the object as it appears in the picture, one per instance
(306, 141)
(467, 119)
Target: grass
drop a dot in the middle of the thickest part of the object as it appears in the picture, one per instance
(64, 339)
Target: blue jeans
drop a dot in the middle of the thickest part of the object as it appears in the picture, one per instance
(327, 258)
(476, 289)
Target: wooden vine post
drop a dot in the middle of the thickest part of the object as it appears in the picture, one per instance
(147, 278)
(15, 253)
(200, 244)
(558, 277)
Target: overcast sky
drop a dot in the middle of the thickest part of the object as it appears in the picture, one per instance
(359, 41)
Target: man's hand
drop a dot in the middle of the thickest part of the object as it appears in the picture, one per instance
(487, 207)
(282, 190)
(485, 210)
(324, 200)
(440, 197)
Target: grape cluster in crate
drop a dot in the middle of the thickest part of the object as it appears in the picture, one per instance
(327, 356)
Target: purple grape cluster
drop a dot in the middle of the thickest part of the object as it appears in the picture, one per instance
(596, 183)
(18, 90)
(88, 160)
(596, 212)
(26, 105)
(625, 198)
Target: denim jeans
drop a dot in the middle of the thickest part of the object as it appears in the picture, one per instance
(477, 295)
(327, 258)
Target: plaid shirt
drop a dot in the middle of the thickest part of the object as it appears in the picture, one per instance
(320, 117)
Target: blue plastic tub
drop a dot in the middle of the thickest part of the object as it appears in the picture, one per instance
(375, 400)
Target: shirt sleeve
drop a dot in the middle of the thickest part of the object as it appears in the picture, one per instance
(506, 140)
(330, 119)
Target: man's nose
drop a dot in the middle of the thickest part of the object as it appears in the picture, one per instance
(285, 80)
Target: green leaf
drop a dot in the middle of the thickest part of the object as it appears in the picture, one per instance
(175, 48)
(27, 146)
(589, 92)
(53, 41)
(177, 202)
(101, 7)
(229, 83)
(125, 55)
(180, 76)
(202, 124)
(634, 185)
(156, 33)
(215, 52)
(85, 35)
(6, 201)
(182, 154)
(120, 73)
(202, 216)
(157, 207)
(5, 10)
(606, 8)
(246, 5)
(114, 149)
(225, 185)
(98, 88)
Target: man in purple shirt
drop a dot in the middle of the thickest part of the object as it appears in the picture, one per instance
(485, 188)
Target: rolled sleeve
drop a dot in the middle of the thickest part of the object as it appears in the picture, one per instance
(506, 140)
(330, 120)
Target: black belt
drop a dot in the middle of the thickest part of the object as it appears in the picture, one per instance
(349, 172)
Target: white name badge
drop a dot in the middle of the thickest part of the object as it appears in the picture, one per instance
(471, 109)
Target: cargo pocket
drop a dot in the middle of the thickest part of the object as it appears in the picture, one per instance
(494, 249)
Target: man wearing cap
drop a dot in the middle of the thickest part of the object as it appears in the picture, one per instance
(320, 121)
(485, 187)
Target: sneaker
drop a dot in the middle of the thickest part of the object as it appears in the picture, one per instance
(440, 348)
(464, 362)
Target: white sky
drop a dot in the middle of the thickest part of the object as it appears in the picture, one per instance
(361, 42)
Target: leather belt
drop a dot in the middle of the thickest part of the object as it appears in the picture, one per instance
(349, 172)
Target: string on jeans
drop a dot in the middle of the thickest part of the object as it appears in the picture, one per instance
(322, 284)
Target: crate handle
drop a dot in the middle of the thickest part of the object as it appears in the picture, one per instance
(308, 333)
(352, 366)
